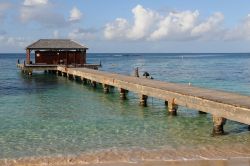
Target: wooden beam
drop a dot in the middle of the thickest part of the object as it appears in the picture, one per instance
(28, 56)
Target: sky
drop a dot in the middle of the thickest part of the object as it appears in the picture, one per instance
(129, 26)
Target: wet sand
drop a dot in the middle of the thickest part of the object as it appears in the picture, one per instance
(223, 156)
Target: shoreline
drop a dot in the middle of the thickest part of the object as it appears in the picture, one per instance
(212, 162)
(142, 157)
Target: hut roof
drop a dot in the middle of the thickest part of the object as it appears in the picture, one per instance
(56, 44)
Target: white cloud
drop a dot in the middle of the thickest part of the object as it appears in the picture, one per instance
(117, 29)
(240, 32)
(35, 2)
(44, 13)
(174, 25)
(3, 7)
(2, 32)
(8, 41)
(43, 16)
(56, 34)
(41, 12)
(144, 20)
(151, 25)
(208, 26)
(81, 34)
(75, 14)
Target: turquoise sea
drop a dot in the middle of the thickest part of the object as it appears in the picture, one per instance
(46, 115)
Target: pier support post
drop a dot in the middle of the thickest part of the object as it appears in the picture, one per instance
(172, 108)
(218, 122)
(84, 80)
(106, 88)
(93, 84)
(111, 88)
(70, 76)
(143, 100)
(28, 56)
(30, 72)
(123, 94)
(201, 112)
(166, 103)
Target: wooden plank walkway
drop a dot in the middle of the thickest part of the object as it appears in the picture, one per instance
(37, 67)
(222, 105)
(29, 68)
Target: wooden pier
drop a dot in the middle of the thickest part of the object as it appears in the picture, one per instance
(29, 68)
(222, 105)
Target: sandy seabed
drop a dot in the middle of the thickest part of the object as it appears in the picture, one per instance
(206, 156)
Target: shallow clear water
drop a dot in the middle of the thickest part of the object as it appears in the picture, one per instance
(47, 115)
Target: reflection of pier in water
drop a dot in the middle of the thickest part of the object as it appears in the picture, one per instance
(222, 105)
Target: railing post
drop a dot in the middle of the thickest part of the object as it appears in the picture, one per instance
(136, 72)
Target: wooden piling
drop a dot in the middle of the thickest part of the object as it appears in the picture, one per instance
(105, 88)
(172, 107)
(93, 84)
(123, 94)
(84, 80)
(143, 100)
(218, 122)
(202, 113)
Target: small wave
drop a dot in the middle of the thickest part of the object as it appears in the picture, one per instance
(139, 155)
(125, 55)
(118, 55)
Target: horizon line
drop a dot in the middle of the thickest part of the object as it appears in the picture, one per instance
(146, 52)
